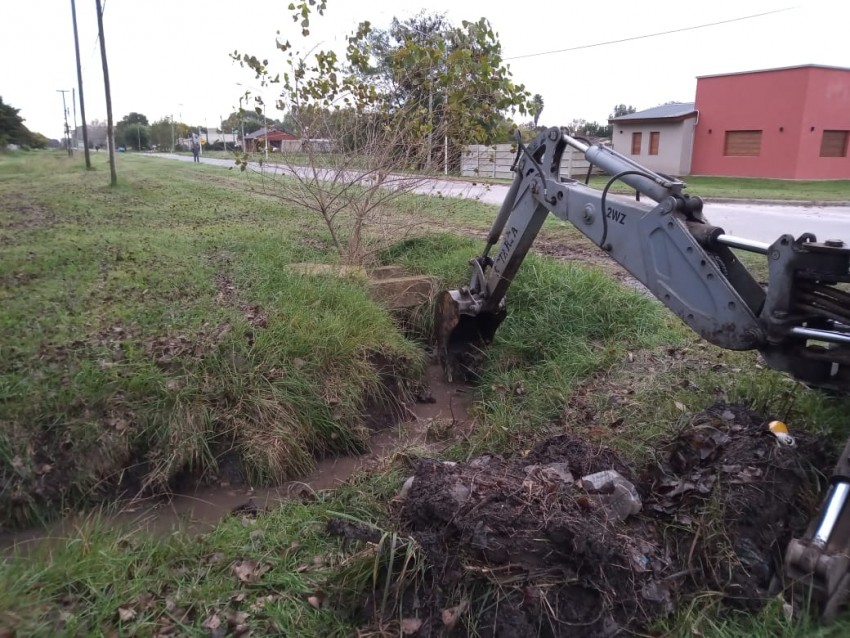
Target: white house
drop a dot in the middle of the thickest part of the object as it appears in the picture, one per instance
(660, 138)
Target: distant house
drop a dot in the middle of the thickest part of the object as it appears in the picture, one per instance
(255, 141)
(659, 138)
(215, 136)
(791, 122)
(96, 135)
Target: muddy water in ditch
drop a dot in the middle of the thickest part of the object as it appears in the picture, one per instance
(198, 510)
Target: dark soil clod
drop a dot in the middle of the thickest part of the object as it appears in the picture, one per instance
(718, 510)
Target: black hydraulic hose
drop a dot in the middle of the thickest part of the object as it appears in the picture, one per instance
(605, 195)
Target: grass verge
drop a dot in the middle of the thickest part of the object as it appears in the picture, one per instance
(152, 329)
(578, 353)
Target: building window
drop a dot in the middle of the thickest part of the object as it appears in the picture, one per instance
(636, 139)
(742, 143)
(654, 139)
(834, 144)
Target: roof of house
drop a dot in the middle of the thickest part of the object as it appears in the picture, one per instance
(779, 68)
(675, 111)
(274, 134)
(258, 133)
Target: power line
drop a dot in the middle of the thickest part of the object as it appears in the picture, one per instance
(649, 35)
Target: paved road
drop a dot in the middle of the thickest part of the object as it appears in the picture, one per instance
(761, 222)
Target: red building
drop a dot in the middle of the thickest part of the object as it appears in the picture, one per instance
(278, 140)
(791, 123)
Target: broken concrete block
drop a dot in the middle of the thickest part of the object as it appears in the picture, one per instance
(601, 481)
(405, 489)
(617, 496)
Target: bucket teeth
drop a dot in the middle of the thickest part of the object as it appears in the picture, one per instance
(461, 336)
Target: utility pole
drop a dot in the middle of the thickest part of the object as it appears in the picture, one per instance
(74, 106)
(172, 132)
(109, 133)
(65, 114)
(80, 85)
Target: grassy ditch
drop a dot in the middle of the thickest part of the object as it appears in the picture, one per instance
(150, 330)
(579, 356)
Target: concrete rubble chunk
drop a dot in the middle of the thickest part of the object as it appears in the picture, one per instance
(617, 495)
(405, 489)
(600, 482)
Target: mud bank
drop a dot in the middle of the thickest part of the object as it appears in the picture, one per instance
(523, 547)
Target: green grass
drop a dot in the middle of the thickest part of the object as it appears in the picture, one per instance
(754, 188)
(105, 580)
(154, 327)
(80, 261)
(565, 322)
(711, 187)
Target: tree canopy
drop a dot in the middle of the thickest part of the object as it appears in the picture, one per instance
(444, 82)
(13, 130)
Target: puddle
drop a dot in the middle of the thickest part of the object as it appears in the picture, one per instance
(199, 510)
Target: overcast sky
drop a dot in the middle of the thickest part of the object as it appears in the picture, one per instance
(171, 57)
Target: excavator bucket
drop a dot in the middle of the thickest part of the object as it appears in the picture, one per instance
(461, 333)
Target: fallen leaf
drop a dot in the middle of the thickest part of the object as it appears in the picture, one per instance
(249, 571)
(410, 625)
(452, 615)
(262, 601)
(680, 406)
(125, 614)
(315, 601)
(215, 558)
(299, 363)
(238, 597)
(237, 617)
(213, 621)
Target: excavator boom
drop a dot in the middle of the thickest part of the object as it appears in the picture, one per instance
(799, 322)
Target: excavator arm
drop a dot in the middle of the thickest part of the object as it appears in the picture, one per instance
(799, 322)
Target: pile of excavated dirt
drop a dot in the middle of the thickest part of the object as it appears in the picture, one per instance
(562, 556)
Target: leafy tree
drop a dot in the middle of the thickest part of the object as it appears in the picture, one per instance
(245, 120)
(136, 136)
(121, 127)
(621, 109)
(359, 138)
(13, 130)
(536, 107)
(135, 118)
(454, 75)
(161, 132)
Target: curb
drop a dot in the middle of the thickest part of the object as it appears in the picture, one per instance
(777, 202)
